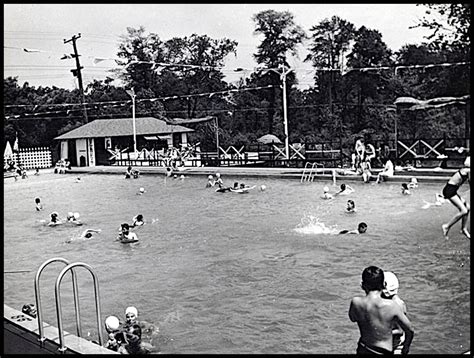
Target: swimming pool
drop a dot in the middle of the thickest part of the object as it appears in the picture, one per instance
(241, 273)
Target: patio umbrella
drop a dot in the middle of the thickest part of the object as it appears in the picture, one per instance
(268, 139)
(8, 151)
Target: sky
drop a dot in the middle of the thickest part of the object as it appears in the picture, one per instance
(41, 29)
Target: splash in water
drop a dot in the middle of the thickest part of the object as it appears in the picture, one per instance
(311, 225)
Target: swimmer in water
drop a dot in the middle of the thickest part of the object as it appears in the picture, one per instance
(115, 340)
(361, 228)
(405, 190)
(73, 218)
(413, 183)
(86, 235)
(345, 190)
(350, 208)
(219, 179)
(54, 219)
(39, 206)
(439, 200)
(326, 195)
(138, 220)
(222, 188)
(210, 181)
(126, 235)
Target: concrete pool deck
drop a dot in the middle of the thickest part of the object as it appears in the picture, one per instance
(426, 175)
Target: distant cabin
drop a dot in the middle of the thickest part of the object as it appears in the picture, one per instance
(93, 143)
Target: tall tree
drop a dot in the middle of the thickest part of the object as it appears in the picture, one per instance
(138, 52)
(368, 51)
(330, 39)
(281, 37)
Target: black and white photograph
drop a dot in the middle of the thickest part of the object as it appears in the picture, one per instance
(243, 178)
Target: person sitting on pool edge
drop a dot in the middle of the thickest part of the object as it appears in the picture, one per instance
(361, 228)
(29, 309)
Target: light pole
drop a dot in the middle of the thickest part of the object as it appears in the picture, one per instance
(131, 93)
(283, 75)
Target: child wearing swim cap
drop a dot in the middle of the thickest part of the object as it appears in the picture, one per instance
(210, 181)
(326, 194)
(390, 291)
(115, 341)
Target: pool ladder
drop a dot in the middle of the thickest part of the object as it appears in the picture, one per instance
(309, 171)
(69, 267)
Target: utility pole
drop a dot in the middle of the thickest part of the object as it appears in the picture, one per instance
(77, 72)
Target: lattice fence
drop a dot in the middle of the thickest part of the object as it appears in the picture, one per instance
(35, 157)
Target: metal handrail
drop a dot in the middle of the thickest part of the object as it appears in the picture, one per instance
(58, 301)
(304, 172)
(38, 300)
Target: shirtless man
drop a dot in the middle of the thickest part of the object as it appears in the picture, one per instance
(376, 316)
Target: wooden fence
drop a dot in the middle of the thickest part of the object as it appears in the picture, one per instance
(431, 152)
(32, 158)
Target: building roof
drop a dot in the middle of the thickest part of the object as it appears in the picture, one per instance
(119, 127)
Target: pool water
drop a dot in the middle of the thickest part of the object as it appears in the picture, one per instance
(231, 273)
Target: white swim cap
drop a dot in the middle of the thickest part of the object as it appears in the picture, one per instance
(209, 177)
(414, 180)
(132, 310)
(218, 175)
(390, 283)
(325, 189)
(112, 323)
(142, 190)
(182, 176)
(70, 214)
(262, 187)
(76, 216)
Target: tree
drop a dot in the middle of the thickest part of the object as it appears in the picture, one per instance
(281, 36)
(450, 23)
(139, 51)
(330, 39)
